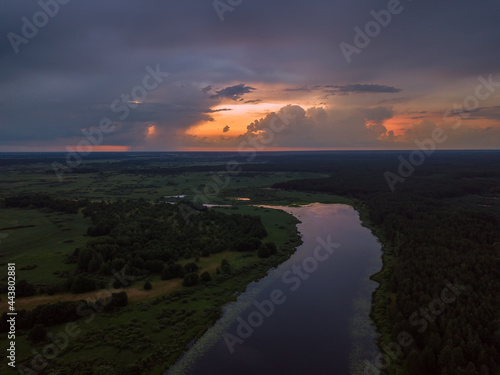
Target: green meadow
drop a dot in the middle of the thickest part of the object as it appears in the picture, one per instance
(153, 330)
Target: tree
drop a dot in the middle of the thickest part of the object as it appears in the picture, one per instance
(191, 279)
(225, 268)
(263, 252)
(155, 266)
(95, 263)
(191, 267)
(271, 246)
(117, 300)
(84, 257)
(172, 271)
(205, 277)
(82, 284)
(247, 244)
(25, 289)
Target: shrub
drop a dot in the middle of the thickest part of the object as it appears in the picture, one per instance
(247, 244)
(271, 246)
(25, 289)
(263, 252)
(191, 267)
(172, 271)
(117, 300)
(225, 268)
(191, 279)
(82, 284)
(205, 277)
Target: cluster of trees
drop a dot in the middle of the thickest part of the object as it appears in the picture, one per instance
(145, 239)
(150, 238)
(440, 224)
(41, 200)
(52, 314)
(23, 288)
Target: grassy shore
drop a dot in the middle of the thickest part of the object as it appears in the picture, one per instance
(157, 325)
(382, 297)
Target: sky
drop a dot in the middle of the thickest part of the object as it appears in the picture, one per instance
(187, 75)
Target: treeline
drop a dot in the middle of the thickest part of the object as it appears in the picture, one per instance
(49, 315)
(441, 224)
(146, 237)
(41, 200)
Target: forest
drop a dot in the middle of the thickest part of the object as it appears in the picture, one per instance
(440, 231)
(145, 238)
(441, 225)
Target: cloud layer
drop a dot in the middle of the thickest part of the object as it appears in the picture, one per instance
(68, 72)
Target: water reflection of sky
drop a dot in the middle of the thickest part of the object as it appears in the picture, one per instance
(323, 325)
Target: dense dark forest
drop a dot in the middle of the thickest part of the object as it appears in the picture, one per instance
(146, 238)
(441, 225)
(438, 301)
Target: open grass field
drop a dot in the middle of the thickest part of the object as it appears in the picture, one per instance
(155, 327)
(157, 324)
(42, 239)
(112, 184)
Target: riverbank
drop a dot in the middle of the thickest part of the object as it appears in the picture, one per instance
(336, 291)
(383, 296)
(185, 313)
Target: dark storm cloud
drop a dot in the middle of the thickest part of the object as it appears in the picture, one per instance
(393, 101)
(349, 88)
(65, 76)
(372, 89)
(233, 92)
(218, 110)
(299, 89)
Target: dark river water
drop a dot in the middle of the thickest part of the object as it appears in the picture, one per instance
(309, 315)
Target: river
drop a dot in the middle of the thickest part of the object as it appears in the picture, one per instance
(307, 316)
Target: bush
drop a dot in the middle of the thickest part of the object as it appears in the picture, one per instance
(225, 268)
(205, 277)
(263, 252)
(247, 244)
(82, 284)
(25, 289)
(191, 267)
(172, 271)
(117, 300)
(191, 279)
(271, 246)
